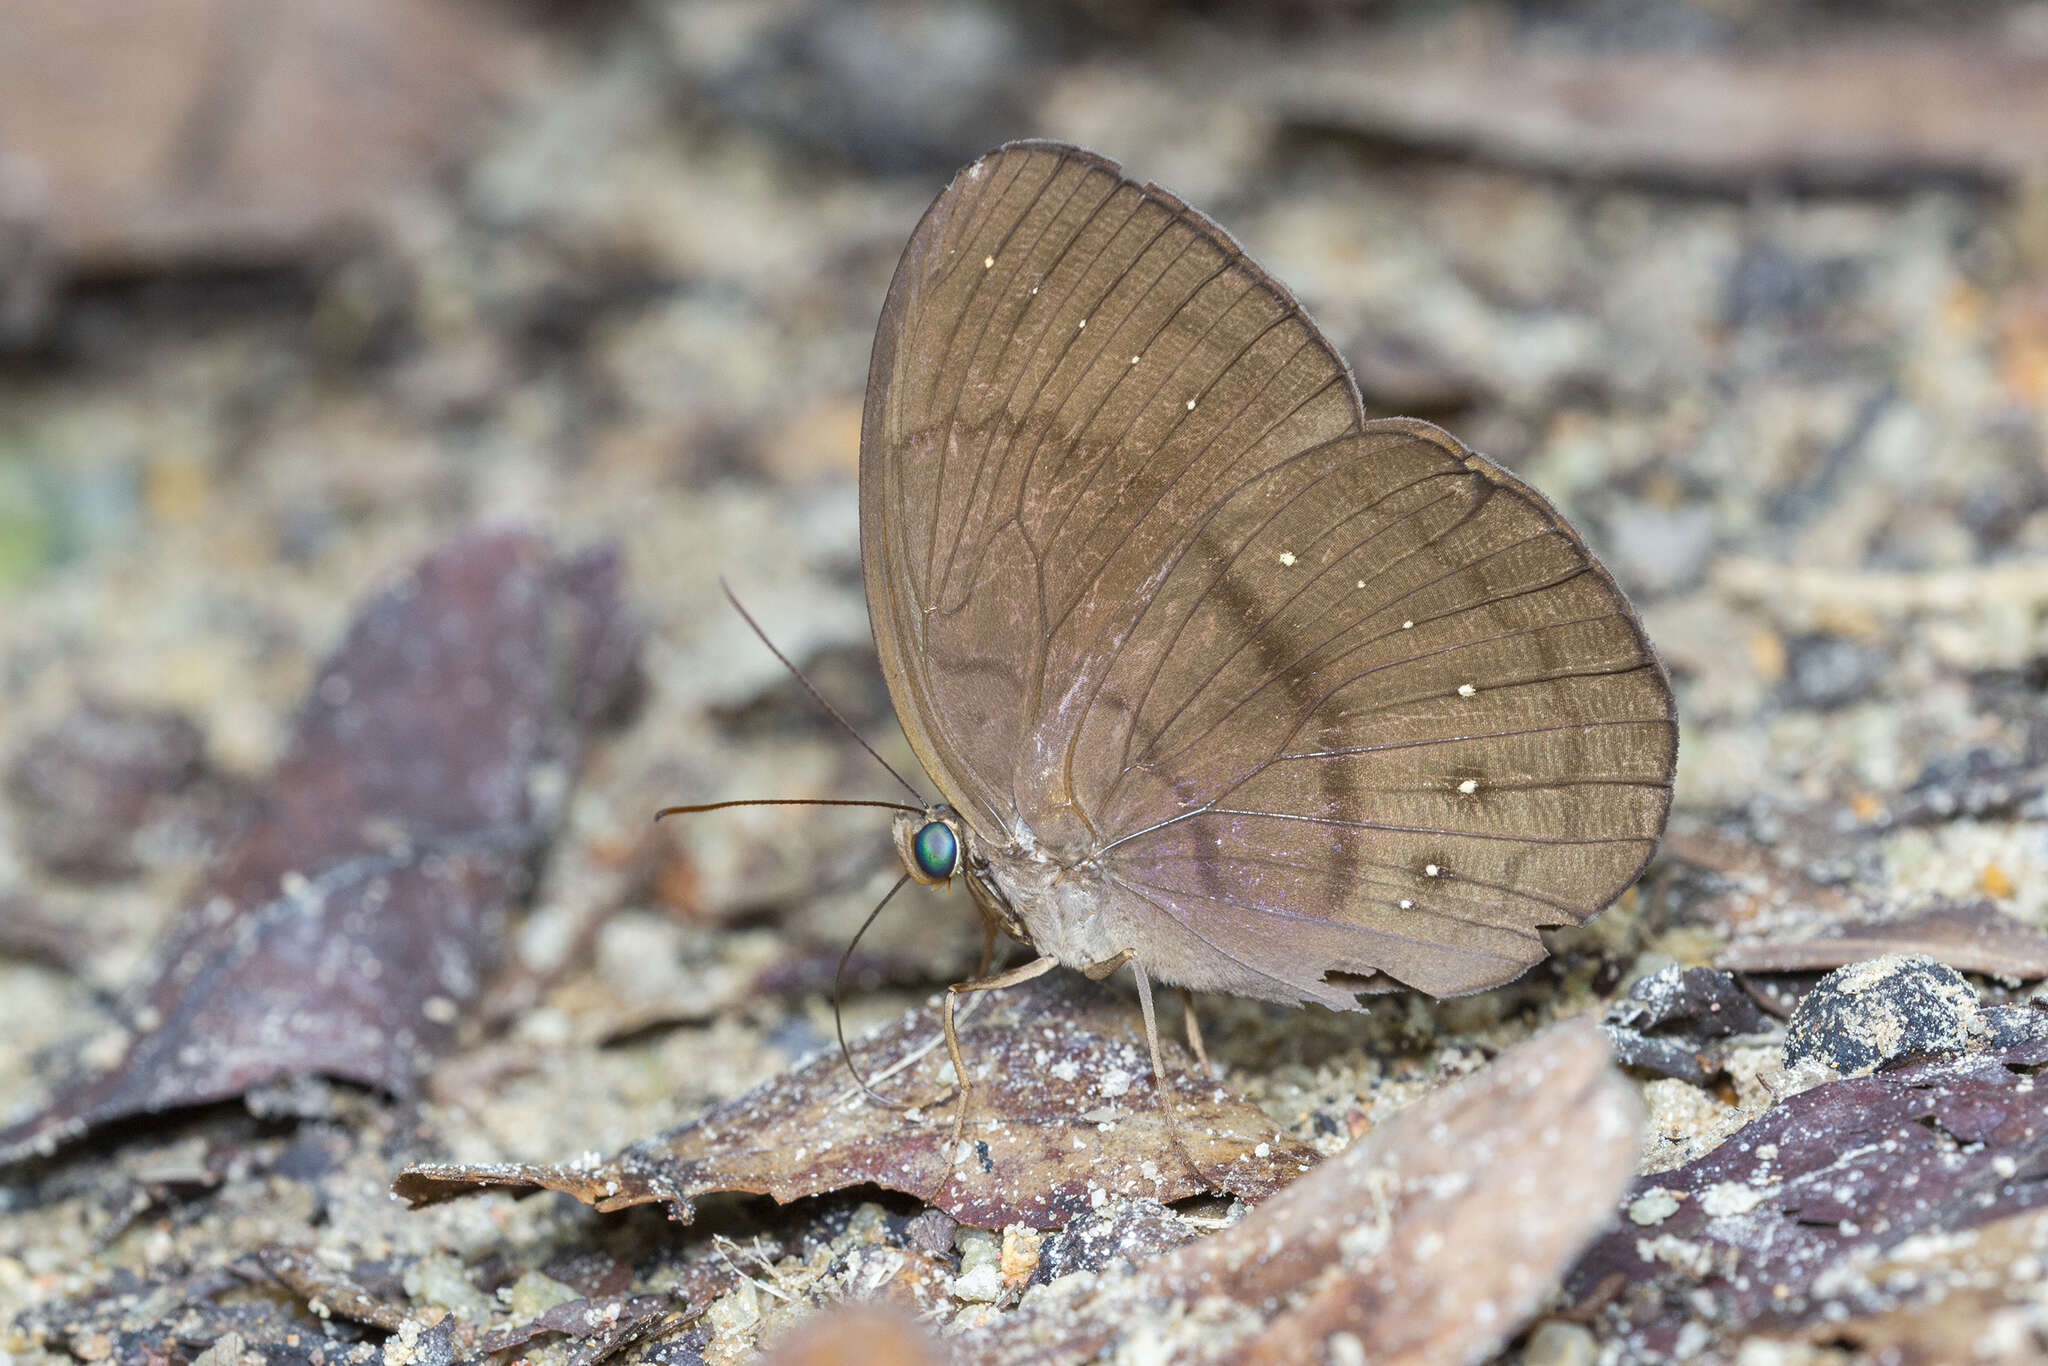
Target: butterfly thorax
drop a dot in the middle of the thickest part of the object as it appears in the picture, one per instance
(1059, 908)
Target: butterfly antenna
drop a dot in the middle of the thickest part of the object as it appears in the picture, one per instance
(839, 982)
(816, 696)
(783, 801)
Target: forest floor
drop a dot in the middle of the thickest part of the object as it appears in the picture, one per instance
(610, 275)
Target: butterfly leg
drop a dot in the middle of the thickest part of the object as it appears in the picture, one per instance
(1095, 972)
(1194, 1024)
(988, 948)
(1166, 1105)
(1151, 1030)
(1037, 967)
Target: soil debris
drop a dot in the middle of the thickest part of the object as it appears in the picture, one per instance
(1867, 1015)
(1432, 1239)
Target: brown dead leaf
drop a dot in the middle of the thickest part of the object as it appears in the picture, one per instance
(1875, 111)
(345, 930)
(33, 935)
(312, 1280)
(609, 1323)
(1431, 1240)
(1974, 937)
(1063, 1115)
(1762, 891)
(206, 1306)
(235, 130)
(1664, 1025)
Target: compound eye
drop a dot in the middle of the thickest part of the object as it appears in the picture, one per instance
(936, 849)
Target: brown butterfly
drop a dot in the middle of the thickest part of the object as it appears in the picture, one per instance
(1216, 676)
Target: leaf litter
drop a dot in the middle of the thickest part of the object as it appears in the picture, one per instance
(1433, 1239)
(346, 928)
(1813, 276)
(1062, 1117)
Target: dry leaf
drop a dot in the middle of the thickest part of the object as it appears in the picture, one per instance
(1974, 937)
(109, 783)
(31, 934)
(605, 1321)
(343, 932)
(1763, 891)
(1431, 1240)
(1063, 1115)
(312, 1280)
(1870, 112)
(1659, 1026)
(235, 130)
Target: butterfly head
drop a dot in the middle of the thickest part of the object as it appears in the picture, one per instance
(931, 844)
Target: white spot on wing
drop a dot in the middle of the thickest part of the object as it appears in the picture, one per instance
(1469, 786)
(1431, 870)
(1466, 690)
(1406, 904)
(1191, 405)
(1287, 558)
(988, 263)
(1407, 625)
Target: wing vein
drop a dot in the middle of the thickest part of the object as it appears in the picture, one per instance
(1066, 346)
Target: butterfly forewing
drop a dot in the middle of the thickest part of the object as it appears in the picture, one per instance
(1319, 695)
(1028, 423)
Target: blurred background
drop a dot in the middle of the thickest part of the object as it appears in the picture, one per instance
(292, 291)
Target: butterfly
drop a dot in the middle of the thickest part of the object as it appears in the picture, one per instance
(1217, 677)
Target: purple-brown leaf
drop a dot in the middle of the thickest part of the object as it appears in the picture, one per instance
(1063, 1115)
(1744, 1236)
(345, 929)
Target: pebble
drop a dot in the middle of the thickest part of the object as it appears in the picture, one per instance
(1863, 1016)
(1558, 1343)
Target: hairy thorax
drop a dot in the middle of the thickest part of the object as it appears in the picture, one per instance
(1066, 911)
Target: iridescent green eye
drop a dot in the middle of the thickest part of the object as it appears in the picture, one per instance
(938, 853)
